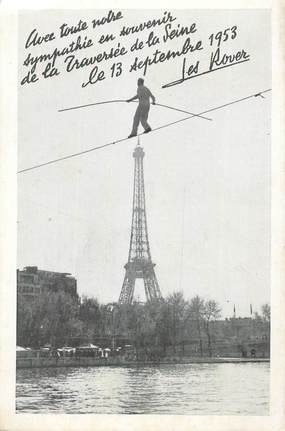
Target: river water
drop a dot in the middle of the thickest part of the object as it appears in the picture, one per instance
(192, 389)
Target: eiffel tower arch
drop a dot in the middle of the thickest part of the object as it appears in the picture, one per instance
(139, 263)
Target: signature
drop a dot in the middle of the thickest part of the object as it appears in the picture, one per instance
(218, 61)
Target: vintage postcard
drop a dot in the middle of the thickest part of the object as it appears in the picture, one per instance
(144, 255)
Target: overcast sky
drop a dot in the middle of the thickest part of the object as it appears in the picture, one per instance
(207, 182)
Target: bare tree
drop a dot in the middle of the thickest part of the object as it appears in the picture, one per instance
(196, 311)
(265, 311)
(176, 308)
(212, 312)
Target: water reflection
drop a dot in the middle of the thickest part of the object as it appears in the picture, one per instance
(223, 389)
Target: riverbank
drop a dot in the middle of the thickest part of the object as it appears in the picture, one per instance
(121, 362)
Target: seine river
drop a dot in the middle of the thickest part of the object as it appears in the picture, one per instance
(193, 389)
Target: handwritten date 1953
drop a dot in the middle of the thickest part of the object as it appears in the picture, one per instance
(223, 36)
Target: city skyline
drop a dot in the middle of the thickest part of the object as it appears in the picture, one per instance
(235, 307)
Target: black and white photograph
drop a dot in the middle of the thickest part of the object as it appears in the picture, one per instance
(144, 217)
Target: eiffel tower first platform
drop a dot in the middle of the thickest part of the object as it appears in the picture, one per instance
(139, 263)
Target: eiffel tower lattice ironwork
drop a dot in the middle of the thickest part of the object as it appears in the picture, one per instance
(139, 263)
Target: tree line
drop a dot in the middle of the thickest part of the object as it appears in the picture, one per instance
(164, 326)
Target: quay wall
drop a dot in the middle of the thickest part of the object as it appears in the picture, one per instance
(95, 362)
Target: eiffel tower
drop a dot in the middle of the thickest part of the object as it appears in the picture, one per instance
(139, 263)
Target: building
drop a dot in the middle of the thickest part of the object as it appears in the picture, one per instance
(231, 337)
(32, 282)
